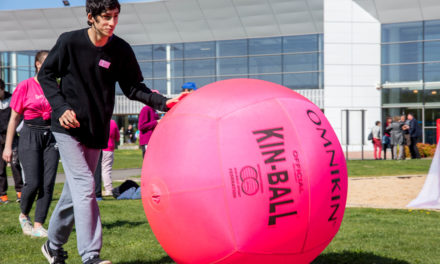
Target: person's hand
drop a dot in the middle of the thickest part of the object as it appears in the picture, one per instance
(172, 102)
(68, 120)
(7, 154)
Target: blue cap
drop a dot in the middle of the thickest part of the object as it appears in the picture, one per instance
(189, 85)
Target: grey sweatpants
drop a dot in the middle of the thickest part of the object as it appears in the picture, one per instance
(77, 203)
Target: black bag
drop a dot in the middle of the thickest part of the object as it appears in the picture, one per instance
(123, 187)
(370, 136)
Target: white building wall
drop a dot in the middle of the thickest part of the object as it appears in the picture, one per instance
(351, 66)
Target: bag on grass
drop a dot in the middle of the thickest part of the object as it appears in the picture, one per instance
(123, 187)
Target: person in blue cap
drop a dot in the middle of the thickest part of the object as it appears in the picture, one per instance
(189, 87)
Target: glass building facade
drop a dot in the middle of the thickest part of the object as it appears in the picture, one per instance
(16, 67)
(410, 72)
(293, 61)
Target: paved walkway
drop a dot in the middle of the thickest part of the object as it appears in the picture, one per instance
(117, 175)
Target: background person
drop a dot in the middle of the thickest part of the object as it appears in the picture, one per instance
(397, 139)
(189, 87)
(108, 158)
(386, 139)
(415, 132)
(377, 143)
(5, 114)
(37, 150)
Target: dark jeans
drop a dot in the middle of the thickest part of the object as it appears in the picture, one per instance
(413, 148)
(98, 175)
(385, 146)
(15, 167)
(39, 157)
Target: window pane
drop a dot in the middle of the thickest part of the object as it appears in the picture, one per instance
(432, 95)
(301, 80)
(265, 64)
(200, 82)
(431, 116)
(398, 32)
(199, 67)
(160, 85)
(402, 95)
(176, 85)
(232, 66)
(159, 69)
(275, 78)
(432, 71)
(159, 52)
(199, 49)
(432, 51)
(402, 52)
(430, 135)
(300, 43)
(176, 68)
(401, 73)
(300, 62)
(24, 73)
(143, 52)
(265, 46)
(232, 77)
(432, 29)
(147, 69)
(232, 47)
(176, 51)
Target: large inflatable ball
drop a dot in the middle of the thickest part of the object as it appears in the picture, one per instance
(244, 171)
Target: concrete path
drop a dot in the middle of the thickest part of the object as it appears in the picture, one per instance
(117, 175)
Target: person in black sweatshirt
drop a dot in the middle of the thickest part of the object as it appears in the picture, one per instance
(87, 63)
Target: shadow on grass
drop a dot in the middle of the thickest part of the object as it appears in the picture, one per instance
(348, 257)
(165, 259)
(122, 223)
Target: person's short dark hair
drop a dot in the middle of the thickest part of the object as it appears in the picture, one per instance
(2, 84)
(39, 57)
(411, 113)
(97, 7)
(377, 123)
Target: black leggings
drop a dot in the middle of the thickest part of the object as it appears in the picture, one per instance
(39, 159)
(15, 167)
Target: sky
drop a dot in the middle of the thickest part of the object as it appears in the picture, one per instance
(35, 4)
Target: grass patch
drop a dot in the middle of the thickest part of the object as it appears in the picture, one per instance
(387, 167)
(367, 236)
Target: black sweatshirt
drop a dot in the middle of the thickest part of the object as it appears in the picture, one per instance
(88, 77)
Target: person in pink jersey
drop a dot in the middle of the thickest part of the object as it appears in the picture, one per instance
(107, 158)
(37, 150)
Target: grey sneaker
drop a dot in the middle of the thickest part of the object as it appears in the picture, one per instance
(39, 232)
(26, 224)
(97, 260)
(54, 256)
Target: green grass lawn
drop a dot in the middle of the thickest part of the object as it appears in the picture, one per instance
(132, 158)
(366, 236)
(388, 167)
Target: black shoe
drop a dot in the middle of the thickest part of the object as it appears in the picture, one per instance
(54, 256)
(97, 260)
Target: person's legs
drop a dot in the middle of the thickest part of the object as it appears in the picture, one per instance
(79, 163)
(50, 159)
(107, 163)
(375, 147)
(16, 169)
(394, 149)
(3, 177)
(412, 148)
(143, 148)
(416, 152)
(32, 161)
(97, 176)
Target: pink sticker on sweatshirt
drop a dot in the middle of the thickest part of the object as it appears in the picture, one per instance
(104, 63)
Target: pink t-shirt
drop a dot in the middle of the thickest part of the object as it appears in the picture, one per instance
(113, 136)
(28, 100)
